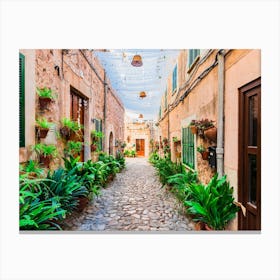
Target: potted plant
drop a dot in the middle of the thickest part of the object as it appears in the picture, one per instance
(193, 126)
(45, 153)
(204, 153)
(203, 125)
(95, 136)
(70, 129)
(73, 148)
(213, 204)
(176, 139)
(46, 96)
(42, 127)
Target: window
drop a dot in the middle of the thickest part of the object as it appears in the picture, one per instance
(193, 53)
(159, 113)
(188, 147)
(98, 127)
(165, 99)
(21, 101)
(174, 79)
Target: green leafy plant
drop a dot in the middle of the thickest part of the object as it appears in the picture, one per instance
(73, 148)
(46, 93)
(43, 123)
(45, 150)
(200, 149)
(175, 139)
(96, 135)
(212, 204)
(31, 168)
(72, 125)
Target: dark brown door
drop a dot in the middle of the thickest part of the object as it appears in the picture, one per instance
(140, 147)
(249, 192)
(111, 149)
(77, 112)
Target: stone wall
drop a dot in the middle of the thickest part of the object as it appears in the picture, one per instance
(61, 70)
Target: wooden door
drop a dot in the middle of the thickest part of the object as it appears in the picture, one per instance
(140, 147)
(249, 192)
(111, 148)
(77, 112)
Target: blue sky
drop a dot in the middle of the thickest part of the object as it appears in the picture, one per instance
(129, 81)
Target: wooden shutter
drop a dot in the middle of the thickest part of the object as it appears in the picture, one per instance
(174, 79)
(188, 147)
(21, 100)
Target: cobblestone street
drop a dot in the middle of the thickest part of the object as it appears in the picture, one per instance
(133, 201)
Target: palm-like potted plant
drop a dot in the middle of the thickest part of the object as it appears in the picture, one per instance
(204, 153)
(45, 153)
(42, 127)
(212, 205)
(46, 96)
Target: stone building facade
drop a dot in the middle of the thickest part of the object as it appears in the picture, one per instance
(138, 135)
(75, 76)
(217, 85)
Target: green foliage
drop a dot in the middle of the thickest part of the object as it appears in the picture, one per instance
(46, 93)
(96, 134)
(43, 123)
(44, 149)
(130, 153)
(73, 148)
(120, 159)
(72, 125)
(212, 204)
(154, 157)
(31, 167)
(200, 149)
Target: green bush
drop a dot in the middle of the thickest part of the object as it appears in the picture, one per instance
(212, 204)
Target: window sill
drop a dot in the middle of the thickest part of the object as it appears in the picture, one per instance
(193, 64)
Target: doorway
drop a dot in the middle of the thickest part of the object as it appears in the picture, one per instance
(249, 174)
(111, 143)
(77, 113)
(140, 147)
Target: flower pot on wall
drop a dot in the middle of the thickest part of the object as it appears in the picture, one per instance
(193, 129)
(65, 132)
(93, 147)
(211, 134)
(205, 155)
(44, 102)
(45, 160)
(41, 132)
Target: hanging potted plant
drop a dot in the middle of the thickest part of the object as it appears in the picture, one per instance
(204, 153)
(203, 125)
(42, 127)
(70, 129)
(73, 148)
(95, 137)
(45, 153)
(46, 96)
(193, 126)
(211, 133)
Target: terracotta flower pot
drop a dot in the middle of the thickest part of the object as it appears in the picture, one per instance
(44, 102)
(199, 226)
(93, 147)
(45, 160)
(65, 132)
(75, 136)
(211, 133)
(205, 155)
(193, 129)
(42, 132)
(208, 228)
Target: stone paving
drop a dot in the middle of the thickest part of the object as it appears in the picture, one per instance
(133, 201)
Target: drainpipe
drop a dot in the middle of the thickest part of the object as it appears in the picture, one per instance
(104, 110)
(220, 123)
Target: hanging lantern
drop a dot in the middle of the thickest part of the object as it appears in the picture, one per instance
(140, 116)
(142, 94)
(137, 61)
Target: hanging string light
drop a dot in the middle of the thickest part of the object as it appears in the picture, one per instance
(137, 61)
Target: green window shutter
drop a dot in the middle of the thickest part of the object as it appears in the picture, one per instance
(188, 147)
(174, 79)
(21, 100)
(193, 53)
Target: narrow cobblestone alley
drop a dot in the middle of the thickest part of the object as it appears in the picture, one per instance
(133, 201)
